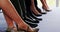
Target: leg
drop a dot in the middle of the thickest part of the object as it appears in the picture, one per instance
(44, 5)
(10, 11)
(9, 21)
(33, 8)
(39, 10)
(10, 24)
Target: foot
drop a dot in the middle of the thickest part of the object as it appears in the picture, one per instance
(46, 8)
(11, 29)
(29, 29)
(34, 10)
(40, 10)
(34, 30)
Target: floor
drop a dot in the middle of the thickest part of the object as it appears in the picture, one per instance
(51, 21)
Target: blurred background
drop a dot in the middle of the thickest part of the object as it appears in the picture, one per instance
(51, 21)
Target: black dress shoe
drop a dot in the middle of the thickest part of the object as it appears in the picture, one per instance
(33, 17)
(31, 24)
(31, 20)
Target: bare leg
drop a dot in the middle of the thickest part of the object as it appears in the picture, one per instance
(44, 4)
(10, 24)
(33, 8)
(10, 11)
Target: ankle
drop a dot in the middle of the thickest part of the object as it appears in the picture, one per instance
(34, 10)
(29, 29)
(22, 26)
(45, 7)
(10, 27)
